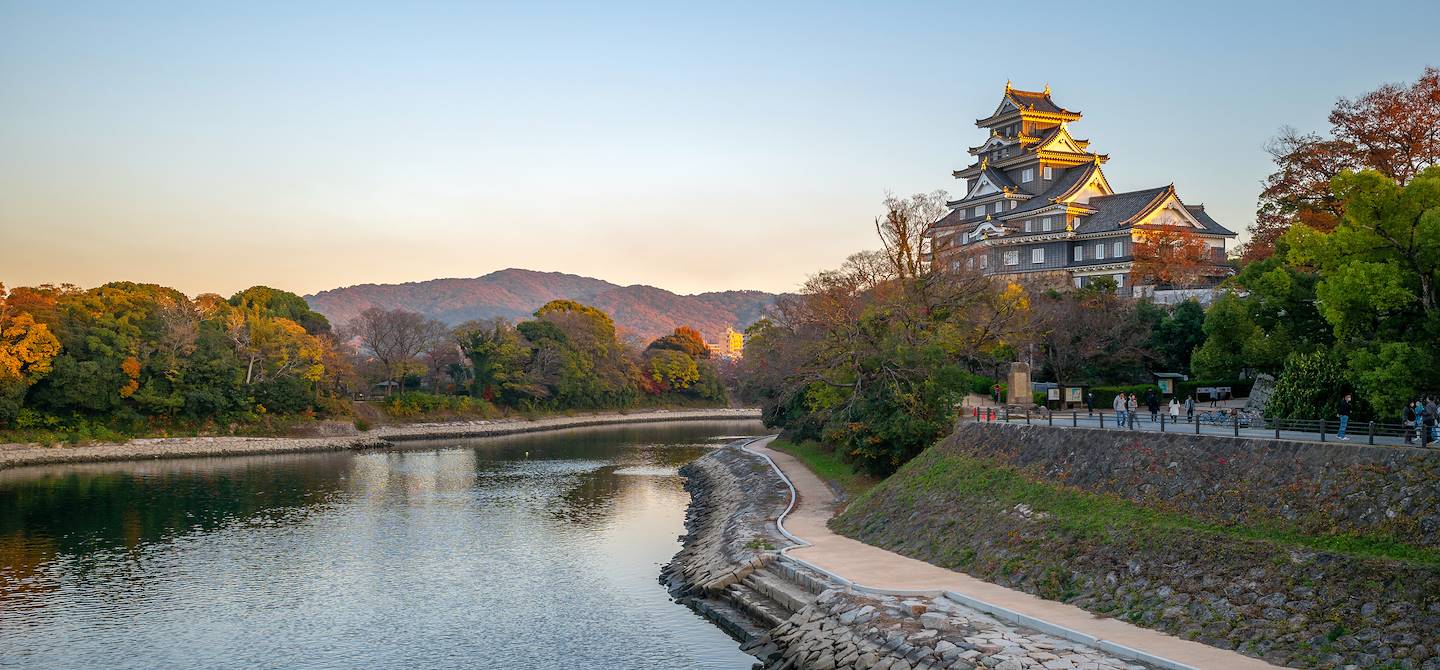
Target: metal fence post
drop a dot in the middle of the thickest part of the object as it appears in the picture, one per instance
(1075, 418)
(1102, 419)
(1162, 423)
(1027, 417)
(1235, 420)
(1277, 429)
(1197, 425)
(1322, 430)
(1372, 432)
(1007, 415)
(1050, 418)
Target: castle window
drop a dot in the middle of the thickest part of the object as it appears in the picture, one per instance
(970, 263)
(1047, 173)
(1100, 251)
(1027, 175)
(1045, 224)
(1037, 255)
(984, 261)
(1079, 253)
(998, 206)
(1012, 257)
(1027, 225)
(1119, 249)
(1119, 280)
(1012, 204)
(980, 210)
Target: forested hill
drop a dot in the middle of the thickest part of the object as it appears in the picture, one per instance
(644, 311)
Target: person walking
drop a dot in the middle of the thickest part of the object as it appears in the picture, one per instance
(1119, 406)
(1432, 417)
(1152, 403)
(1132, 405)
(1090, 403)
(1189, 409)
(1420, 420)
(1174, 411)
(1344, 412)
(1409, 422)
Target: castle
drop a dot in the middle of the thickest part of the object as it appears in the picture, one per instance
(1037, 206)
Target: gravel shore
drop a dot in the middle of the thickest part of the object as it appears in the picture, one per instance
(16, 455)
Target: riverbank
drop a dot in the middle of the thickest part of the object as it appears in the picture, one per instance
(732, 569)
(18, 455)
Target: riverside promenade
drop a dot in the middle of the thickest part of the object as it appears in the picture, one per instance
(878, 569)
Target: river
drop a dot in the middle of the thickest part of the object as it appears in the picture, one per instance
(530, 551)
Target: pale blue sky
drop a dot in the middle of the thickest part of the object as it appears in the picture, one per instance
(693, 148)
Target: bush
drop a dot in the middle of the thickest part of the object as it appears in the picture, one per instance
(1309, 387)
(417, 403)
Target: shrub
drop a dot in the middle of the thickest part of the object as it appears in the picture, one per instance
(416, 403)
(1105, 395)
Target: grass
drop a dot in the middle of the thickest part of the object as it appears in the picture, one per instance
(828, 466)
(1083, 515)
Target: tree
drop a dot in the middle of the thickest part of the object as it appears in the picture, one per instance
(395, 337)
(684, 339)
(1231, 338)
(498, 355)
(1309, 387)
(902, 231)
(1088, 336)
(673, 369)
(1171, 256)
(1394, 130)
(27, 350)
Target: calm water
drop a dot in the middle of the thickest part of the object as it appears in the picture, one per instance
(462, 554)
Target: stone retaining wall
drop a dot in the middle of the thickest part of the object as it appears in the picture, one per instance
(1319, 487)
(793, 618)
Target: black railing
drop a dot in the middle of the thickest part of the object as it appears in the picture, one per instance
(1220, 422)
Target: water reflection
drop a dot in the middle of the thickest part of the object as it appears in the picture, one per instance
(454, 555)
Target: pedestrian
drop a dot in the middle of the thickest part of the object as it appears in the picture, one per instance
(1132, 406)
(1174, 411)
(1152, 403)
(1420, 420)
(1410, 422)
(1090, 403)
(1119, 406)
(1344, 412)
(1432, 417)
(995, 393)
(1190, 409)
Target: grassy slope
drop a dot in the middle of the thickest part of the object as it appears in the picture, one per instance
(1089, 516)
(828, 466)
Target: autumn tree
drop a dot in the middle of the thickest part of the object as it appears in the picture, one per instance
(1394, 130)
(27, 349)
(1170, 256)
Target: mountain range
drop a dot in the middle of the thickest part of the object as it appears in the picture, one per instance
(642, 312)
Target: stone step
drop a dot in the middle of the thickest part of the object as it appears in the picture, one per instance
(789, 595)
(739, 624)
(802, 577)
(766, 612)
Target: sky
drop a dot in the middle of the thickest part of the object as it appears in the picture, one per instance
(690, 146)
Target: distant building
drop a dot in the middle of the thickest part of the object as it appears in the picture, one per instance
(734, 342)
(1037, 205)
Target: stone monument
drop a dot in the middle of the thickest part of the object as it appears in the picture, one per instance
(1017, 390)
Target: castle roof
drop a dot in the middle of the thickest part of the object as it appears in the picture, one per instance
(1115, 212)
(1066, 185)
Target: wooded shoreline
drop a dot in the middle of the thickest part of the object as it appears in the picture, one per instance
(18, 455)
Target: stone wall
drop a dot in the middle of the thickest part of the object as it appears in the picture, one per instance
(1320, 488)
(1290, 606)
(793, 618)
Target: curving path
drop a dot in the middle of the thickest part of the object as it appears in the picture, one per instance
(875, 568)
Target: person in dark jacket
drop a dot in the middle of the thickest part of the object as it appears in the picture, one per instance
(1432, 418)
(1152, 403)
(1410, 422)
(1344, 413)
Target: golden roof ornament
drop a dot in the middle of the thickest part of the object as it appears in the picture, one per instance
(1007, 85)
(1047, 89)
(985, 163)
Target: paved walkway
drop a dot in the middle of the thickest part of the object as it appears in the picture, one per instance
(877, 568)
